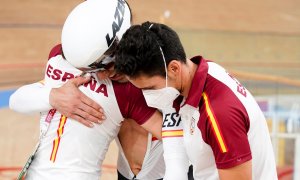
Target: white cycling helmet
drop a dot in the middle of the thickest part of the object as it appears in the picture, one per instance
(92, 28)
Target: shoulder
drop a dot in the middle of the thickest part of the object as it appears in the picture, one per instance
(56, 50)
(224, 124)
(126, 90)
(122, 95)
(222, 107)
(223, 94)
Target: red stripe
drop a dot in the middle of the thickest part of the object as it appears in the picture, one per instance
(62, 130)
(173, 130)
(154, 138)
(53, 145)
(56, 149)
(284, 173)
(58, 137)
(60, 121)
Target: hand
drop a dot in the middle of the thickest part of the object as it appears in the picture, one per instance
(71, 102)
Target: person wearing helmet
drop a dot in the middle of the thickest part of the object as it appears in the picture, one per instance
(67, 148)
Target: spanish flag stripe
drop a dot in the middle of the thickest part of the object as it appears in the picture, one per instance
(54, 158)
(54, 150)
(172, 133)
(56, 141)
(172, 136)
(214, 124)
(172, 130)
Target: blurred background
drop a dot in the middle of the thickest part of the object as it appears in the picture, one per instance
(257, 41)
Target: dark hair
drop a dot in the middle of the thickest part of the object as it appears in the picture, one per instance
(139, 50)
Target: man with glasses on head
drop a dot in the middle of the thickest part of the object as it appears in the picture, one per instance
(225, 133)
(69, 149)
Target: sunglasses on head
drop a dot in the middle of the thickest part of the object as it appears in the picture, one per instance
(100, 67)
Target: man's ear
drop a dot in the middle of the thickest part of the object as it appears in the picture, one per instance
(174, 69)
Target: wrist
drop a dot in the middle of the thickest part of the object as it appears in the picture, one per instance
(51, 96)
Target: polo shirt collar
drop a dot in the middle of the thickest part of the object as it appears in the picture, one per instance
(198, 83)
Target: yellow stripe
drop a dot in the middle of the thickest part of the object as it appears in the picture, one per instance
(214, 124)
(63, 120)
(56, 140)
(172, 133)
(54, 150)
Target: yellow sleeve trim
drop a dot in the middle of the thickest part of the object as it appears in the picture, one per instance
(172, 133)
(214, 124)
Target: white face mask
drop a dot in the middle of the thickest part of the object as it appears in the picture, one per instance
(161, 98)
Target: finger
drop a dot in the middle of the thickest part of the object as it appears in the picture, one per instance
(87, 117)
(92, 114)
(82, 120)
(89, 102)
(80, 80)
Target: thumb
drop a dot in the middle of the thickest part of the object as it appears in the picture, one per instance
(81, 80)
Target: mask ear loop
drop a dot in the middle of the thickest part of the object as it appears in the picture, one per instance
(165, 63)
(163, 56)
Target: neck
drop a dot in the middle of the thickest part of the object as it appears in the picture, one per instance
(188, 73)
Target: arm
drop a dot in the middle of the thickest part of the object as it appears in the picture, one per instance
(175, 156)
(176, 159)
(242, 172)
(225, 129)
(32, 98)
(133, 105)
(67, 99)
(70, 101)
(153, 125)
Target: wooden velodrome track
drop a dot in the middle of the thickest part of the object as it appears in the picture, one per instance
(28, 30)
